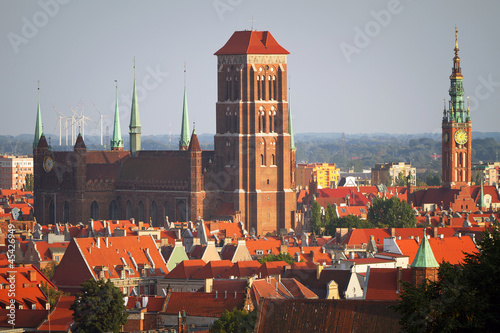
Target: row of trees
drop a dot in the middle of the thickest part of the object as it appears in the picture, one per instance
(383, 213)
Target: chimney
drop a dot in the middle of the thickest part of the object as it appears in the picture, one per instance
(98, 242)
(393, 232)
(106, 241)
(140, 224)
(435, 232)
(284, 248)
(319, 269)
(312, 255)
(32, 275)
(178, 233)
(209, 285)
(441, 236)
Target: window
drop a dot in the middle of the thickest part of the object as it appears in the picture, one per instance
(262, 162)
(94, 211)
(141, 211)
(128, 210)
(272, 160)
(259, 252)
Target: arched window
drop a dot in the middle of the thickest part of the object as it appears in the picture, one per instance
(154, 214)
(262, 161)
(271, 122)
(237, 87)
(66, 212)
(276, 127)
(52, 212)
(270, 87)
(263, 87)
(113, 210)
(141, 211)
(260, 122)
(259, 94)
(275, 88)
(166, 210)
(128, 210)
(264, 129)
(235, 123)
(272, 160)
(94, 211)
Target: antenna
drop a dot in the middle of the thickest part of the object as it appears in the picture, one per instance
(252, 21)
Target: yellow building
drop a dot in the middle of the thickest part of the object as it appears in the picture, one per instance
(325, 174)
(13, 170)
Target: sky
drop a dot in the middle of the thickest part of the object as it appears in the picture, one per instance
(354, 66)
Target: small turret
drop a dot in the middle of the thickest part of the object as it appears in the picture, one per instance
(38, 124)
(184, 139)
(135, 123)
(117, 141)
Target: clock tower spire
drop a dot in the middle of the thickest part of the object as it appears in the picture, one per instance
(456, 128)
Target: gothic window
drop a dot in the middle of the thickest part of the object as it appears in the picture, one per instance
(66, 212)
(154, 214)
(128, 210)
(94, 211)
(275, 88)
(273, 162)
(52, 212)
(235, 124)
(260, 122)
(141, 211)
(263, 87)
(262, 162)
(227, 88)
(259, 95)
(264, 122)
(275, 122)
(270, 87)
(113, 210)
(271, 129)
(166, 209)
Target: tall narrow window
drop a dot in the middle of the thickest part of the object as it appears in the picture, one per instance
(66, 212)
(141, 211)
(264, 123)
(94, 211)
(271, 123)
(262, 162)
(154, 214)
(273, 162)
(128, 210)
(275, 88)
(260, 122)
(263, 88)
(270, 87)
(259, 96)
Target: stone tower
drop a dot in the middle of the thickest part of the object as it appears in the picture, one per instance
(456, 128)
(253, 150)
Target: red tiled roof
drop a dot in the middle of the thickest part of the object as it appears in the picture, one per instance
(383, 283)
(271, 268)
(24, 318)
(202, 304)
(271, 243)
(185, 269)
(214, 269)
(225, 209)
(154, 303)
(61, 318)
(252, 42)
(242, 269)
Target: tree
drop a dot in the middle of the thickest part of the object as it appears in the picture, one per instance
(99, 308)
(52, 293)
(235, 321)
(391, 213)
(28, 179)
(278, 257)
(315, 221)
(465, 298)
(401, 181)
(49, 270)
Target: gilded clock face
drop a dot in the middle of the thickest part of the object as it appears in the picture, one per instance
(446, 137)
(461, 137)
(48, 163)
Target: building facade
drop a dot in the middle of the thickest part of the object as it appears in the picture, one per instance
(248, 177)
(388, 173)
(456, 129)
(13, 171)
(326, 175)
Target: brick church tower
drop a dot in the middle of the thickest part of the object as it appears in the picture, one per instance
(253, 148)
(456, 128)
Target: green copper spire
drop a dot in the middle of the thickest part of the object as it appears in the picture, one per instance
(184, 139)
(135, 123)
(290, 126)
(456, 105)
(38, 125)
(117, 141)
(481, 199)
(425, 256)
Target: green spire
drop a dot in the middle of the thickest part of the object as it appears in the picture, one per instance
(481, 199)
(135, 123)
(425, 256)
(117, 141)
(38, 125)
(456, 104)
(290, 126)
(184, 139)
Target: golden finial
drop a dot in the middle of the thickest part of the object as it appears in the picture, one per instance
(456, 39)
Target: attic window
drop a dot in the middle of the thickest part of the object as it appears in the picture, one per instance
(343, 210)
(259, 252)
(362, 210)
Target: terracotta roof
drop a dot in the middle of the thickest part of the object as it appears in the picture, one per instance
(242, 269)
(111, 255)
(271, 268)
(252, 42)
(269, 243)
(186, 269)
(194, 144)
(24, 318)
(225, 209)
(154, 303)
(214, 269)
(297, 289)
(106, 157)
(304, 315)
(202, 304)
(231, 285)
(383, 283)
(61, 317)
(172, 165)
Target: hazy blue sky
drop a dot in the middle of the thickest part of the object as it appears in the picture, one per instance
(354, 66)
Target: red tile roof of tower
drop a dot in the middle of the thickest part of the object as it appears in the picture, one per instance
(252, 42)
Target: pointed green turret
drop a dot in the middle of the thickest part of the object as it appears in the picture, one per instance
(456, 91)
(481, 199)
(38, 125)
(117, 141)
(425, 256)
(184, 139)
(135, 123)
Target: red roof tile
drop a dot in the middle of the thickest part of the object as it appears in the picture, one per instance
(186, 269)
(61, 318)
(214, 269)
(202, 304)
(242, 269)
(252, 42)
(383, 283)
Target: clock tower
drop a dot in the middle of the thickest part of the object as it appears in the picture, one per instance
(456, 128)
